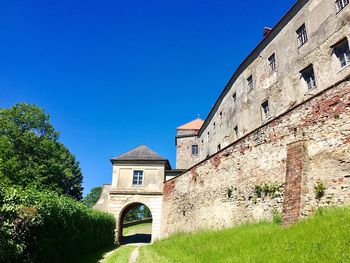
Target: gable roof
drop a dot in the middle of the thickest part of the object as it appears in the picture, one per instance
(192, 125)
(141, 152)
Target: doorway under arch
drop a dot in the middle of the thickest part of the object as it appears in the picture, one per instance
(135, 224)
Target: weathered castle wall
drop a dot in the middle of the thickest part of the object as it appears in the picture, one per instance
(274, 168)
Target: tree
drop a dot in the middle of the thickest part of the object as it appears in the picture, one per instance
(93, 196)
(31, 155)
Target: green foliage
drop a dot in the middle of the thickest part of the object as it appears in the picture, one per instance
(267, 189)
(43, 226)
(277, 217)
(137, 213)
(91, 199)
(320, 189)
(322, 238)
(30, 154)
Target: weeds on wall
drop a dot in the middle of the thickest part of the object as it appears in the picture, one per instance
(320, 189)
(267, 190)
(276, 217)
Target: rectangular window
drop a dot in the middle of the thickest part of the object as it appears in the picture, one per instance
(234, 98)
(250, 83)
(236, 131)
(265, 110)
(302, 35)
(195, 149)
(272, 63)
(309, 77)
(137, 177)
(341, 50)
(219, 147)
(341, 4)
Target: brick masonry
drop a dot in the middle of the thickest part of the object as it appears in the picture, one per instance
(306, 145)
(296, 154)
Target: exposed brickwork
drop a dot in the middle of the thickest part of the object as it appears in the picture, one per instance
(223, 193)
(292, 191)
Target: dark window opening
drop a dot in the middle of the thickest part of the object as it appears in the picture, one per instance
(236, 131)
(137, 177)
(309, 77)
(272, 63)
(195, 149)
(250, 83)
(219, 147)
(342, 52)
(302, 35)
(265, 110)
(341, 4)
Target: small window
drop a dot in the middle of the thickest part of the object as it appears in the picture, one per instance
(214, 124)
(250, 83)
(235, 129)
(302, 35)
(208, 135)
(341, 50)
(234, 98)
(137, 178)
(341, 4)
(219, 147)
(272, 63)
(309, 77)
(220, 114)
(265, 110)
(195, 149)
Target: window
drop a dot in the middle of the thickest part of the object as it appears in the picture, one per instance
(195, 149)
(235, 129)
(219, 147)
(250, 83)
(272, 63)
(265, 110)
(220, 114)
(309, 77)
(302, 35)
(208, 135)
(234, 97)
(340, 4)
(341, 50)
(137, 178)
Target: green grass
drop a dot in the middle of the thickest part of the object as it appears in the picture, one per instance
(111, 255)
(324, 237)
(129, 229)
(120, 255)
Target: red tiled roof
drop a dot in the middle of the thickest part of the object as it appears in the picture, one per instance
(193, 125)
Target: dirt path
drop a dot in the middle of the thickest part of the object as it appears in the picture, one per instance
(134, 255)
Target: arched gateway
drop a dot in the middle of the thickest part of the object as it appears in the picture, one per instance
(138, 178)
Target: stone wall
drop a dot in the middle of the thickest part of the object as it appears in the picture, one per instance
(290, 154)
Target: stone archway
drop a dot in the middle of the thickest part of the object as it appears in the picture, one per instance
(136, 237)
(122, 203)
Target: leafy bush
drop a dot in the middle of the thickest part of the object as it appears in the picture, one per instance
(92, 198)
(320, 189)
(42, 226)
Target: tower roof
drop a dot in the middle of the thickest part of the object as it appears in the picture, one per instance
(141, 152)
(192, 125)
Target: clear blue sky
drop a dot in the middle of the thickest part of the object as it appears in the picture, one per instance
(115, 74)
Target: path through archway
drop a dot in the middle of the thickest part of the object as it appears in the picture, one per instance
(135, 224)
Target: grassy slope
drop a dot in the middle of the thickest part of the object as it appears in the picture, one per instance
(322, 238)
(138, 228)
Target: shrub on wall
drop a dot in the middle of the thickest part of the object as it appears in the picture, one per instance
(42, 226)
